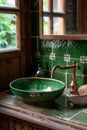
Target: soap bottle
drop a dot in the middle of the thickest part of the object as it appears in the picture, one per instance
(39, 72)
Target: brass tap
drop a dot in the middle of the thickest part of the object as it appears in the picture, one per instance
(73, 85)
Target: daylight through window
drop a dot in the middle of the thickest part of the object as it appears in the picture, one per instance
(9, 22)
(53, 16)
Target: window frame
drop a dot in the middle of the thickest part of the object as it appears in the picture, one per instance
(16, 11)
(81, 24)
(51, 14)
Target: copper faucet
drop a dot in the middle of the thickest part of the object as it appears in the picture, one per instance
(73, 85)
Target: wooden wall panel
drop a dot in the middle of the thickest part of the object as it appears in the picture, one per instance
(14, 64)
(10, 69)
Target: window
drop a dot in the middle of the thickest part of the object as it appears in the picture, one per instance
(54, 12)
(9, 24)
(59, 16)
(63, 19)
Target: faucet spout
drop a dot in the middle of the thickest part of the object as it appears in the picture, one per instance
(73, 85)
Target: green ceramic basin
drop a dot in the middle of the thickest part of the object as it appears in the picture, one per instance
(35, 89)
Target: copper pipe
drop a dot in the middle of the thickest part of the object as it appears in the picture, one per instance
(63, 68)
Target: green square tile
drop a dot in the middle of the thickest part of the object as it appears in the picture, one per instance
(75, 50)
(82, 47)
(85, 79)
(59, 76)
(52, 46)
(46, 62)
(80, 117)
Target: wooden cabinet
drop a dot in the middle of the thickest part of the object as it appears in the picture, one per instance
(10, 123)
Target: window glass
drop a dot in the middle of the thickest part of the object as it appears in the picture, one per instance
(46, 24)
(46, 5)
(7, 30)
(58, 25)
(10, 3)
(53, 17)
(9, 25)
(58, 5)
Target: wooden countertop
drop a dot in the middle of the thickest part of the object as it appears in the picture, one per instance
(15, 107)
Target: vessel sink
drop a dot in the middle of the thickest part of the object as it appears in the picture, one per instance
(36, 89)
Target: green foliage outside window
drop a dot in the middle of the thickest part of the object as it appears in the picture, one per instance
(7, 29)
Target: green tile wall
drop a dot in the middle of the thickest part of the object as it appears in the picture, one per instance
(75, 50)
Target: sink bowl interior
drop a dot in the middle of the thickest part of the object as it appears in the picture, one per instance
(35, 89)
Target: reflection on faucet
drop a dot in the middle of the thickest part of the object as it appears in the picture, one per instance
(73, 85)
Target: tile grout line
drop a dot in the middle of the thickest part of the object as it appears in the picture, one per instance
(72, 116)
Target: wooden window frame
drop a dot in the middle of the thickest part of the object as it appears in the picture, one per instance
(16, 11)
(51, 14)
(81, 24)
